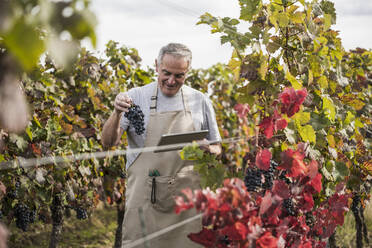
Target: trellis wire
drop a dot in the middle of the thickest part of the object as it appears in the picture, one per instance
(161, 232)
(32, 162)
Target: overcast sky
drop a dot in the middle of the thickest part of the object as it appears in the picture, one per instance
(147, 25)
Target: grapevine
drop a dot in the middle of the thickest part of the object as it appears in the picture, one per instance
(307, 103)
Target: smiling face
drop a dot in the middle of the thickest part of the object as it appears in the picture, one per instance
(171, 73)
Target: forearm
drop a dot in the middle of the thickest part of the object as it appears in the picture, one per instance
(111, 130)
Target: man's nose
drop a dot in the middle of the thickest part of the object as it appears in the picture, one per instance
(171, 79)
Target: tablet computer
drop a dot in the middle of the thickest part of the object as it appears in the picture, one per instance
(170, 141)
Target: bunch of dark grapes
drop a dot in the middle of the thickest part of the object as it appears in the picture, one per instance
(22, 216)
(12, 194)
(288, 206)
(81, 213)
(32, 216)
(254, 176)
(269, 175)
(253, 179)
(136, 118)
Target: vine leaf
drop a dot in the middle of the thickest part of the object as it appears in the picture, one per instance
(301, 118)
(266, 203)
(242, 110)
(281, 189)
(340, 170)
(263, 158)
(27, 50)
(329, 108)
(292, 161)
(291, 100)
(206, 237)
(267, 240)
(316, 183)
(307, 133)
(294, 82)
(248, 9)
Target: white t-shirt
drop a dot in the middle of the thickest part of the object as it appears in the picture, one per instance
(200, 106)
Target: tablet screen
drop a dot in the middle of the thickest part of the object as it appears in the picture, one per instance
(179, 138)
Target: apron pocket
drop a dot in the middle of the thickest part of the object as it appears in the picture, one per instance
(160, 192)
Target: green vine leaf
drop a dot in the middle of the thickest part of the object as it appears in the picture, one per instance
(297, 85)
(249, 8)
(301, 118)
(192, 152)
(340, 171)
(27, 50)
(323, 82)
(307, 133)
(329, 108)
(327, 21)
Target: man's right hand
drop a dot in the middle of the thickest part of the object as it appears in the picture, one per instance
(122, 102)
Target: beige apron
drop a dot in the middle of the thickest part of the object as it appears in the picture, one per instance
(156, 202)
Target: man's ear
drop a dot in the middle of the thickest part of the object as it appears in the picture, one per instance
(156, 65)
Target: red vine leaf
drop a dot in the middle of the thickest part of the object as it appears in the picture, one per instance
(267, 125)
(292, 161)
(205, 237)
(263, 158)
(242, 110)
(266, 203)
(237, 231)
(339, 204)
(281, 124)
(313, 169)
(316, 183)
(307, 202)
(281, 189)
(291, 100)
(272, 124)
(267, 240)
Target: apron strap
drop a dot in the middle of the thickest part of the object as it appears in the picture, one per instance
(185, 101)
(154, 99)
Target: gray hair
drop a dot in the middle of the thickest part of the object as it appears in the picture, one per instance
(175, 49)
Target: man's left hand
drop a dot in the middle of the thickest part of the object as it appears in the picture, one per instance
(210, 148)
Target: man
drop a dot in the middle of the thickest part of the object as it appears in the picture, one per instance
(169, 106)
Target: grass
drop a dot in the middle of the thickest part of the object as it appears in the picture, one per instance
(99, 231)
(96, 231)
